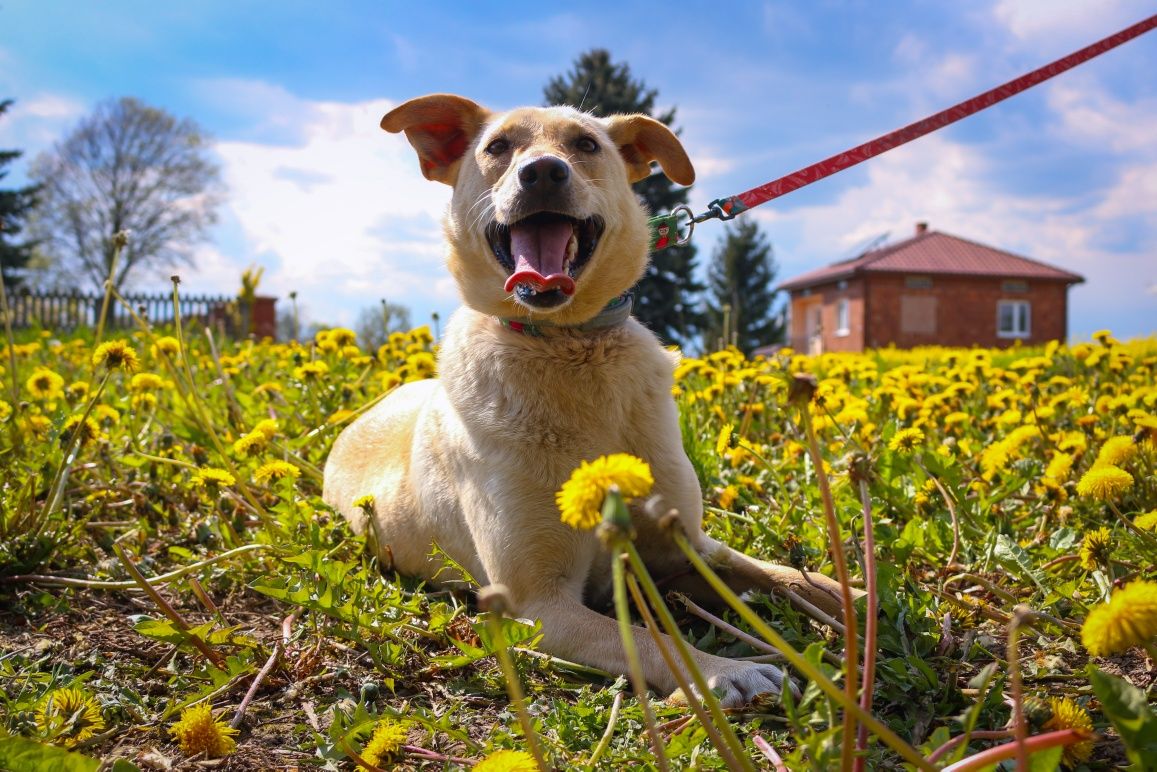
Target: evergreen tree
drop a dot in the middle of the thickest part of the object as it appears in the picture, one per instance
(741, 277)
(15, 206)
(667, 297)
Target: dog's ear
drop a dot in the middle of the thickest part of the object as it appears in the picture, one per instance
(440, 127)
(642, 140)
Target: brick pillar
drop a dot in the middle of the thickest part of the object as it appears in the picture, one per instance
(263, 319)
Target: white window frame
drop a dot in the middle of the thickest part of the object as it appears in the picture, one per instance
(843, 317)
(1020, 314)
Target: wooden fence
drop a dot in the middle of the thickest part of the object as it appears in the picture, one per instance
(67, 311)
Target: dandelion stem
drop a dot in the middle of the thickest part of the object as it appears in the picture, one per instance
(157, 581)
(988, 758)
(1020, 615)
(72, 449)
(11, 361)
(166, 609)
(510, 674)
(835, 545)
(608, 733)
(726, 751)
(886, 735)
(634, 664)
(870, 621)
(120, 239)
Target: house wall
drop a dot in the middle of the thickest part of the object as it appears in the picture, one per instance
(957, 311)
(806, 336)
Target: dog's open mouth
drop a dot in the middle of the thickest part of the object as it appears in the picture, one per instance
(544, 253)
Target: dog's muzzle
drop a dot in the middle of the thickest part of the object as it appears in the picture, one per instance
(544, 254)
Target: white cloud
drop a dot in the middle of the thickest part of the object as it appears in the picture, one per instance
(1047, 24)
(1091, 116)
(34, 123)
(342, 215)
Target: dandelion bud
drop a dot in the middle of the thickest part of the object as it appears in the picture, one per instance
(495, 598)
(802, 389)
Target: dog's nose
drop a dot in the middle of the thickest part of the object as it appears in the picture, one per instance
(543, 173)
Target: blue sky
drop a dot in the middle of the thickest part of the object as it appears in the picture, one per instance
(332, 207)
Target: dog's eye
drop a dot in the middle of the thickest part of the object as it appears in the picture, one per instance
(587, 145)
(498, 147)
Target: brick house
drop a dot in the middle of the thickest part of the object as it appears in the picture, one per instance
(931, 289)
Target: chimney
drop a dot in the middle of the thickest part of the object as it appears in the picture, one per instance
(921, 228)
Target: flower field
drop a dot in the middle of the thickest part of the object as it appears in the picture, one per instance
(172, 587)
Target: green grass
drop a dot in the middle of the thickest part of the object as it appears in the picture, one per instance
(264, 585)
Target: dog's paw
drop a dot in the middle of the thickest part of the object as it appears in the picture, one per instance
(740, 683)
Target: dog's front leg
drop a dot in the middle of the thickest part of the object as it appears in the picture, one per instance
(573, 631)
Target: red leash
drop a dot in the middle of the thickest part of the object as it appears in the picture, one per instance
(665, 228)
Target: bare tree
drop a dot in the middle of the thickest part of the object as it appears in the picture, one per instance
(375, 323)
(129, 167)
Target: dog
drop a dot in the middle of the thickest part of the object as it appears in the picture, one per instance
(542, 369)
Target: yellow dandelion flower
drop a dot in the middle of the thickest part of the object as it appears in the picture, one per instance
(580, 500)
(385, 745)
(275, 470)
(1066, 714)
(251, 444)
(116, 354)
(1147, 521)
(198, 733)
(45, 385)
(5, 411)
(507, 761)
(76, 391)
(724, 443)
(310, 371)
(1095, 549)
(1117, 451)
(1073, 442)
(339, 417)
(167, 345)
(906, 440)
(144, 401)
(146, 382)
(37, 425)
(1104, 337)
(86, 428)
(68, 716)
(728, 496)
(365, 503)
(1059, 467)
(268, 427)
(1104, 483)
(956, 417)
(106, 414)
(1128, 619)
(211, 476)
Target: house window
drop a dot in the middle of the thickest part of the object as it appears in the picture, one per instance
(918, 314)
(1013, 318)
(918, 282)
(843, 318)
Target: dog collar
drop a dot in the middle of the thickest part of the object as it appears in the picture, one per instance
(614, 314)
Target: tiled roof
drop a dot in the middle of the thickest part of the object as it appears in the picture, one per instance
(932, 252)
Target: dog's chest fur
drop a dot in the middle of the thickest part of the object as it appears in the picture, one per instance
(572, 395)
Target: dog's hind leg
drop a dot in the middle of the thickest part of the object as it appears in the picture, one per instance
(809, 591)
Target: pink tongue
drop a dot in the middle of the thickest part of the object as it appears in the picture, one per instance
(539, 251)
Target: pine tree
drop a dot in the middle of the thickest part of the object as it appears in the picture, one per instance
(741, 278)
(15, 206)
(666, 298)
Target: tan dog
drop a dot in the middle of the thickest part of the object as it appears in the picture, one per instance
(543, 229)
